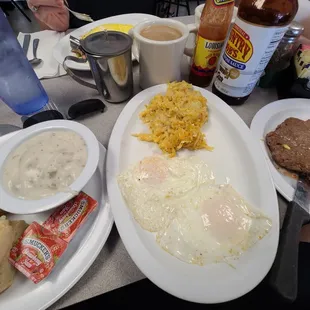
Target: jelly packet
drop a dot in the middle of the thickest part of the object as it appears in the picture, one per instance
(67, 218)
(36, 252)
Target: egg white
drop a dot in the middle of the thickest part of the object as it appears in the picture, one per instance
(194, 219)
(213, 224)
(152, 187)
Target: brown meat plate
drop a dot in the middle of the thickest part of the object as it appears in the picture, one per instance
(289, 145)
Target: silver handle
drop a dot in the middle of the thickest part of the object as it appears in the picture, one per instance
(75, 43)
(35, 47)
(188, 51)
(26, 42)
(75, 77)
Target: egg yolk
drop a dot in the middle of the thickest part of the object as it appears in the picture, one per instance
(153, 171)
(225, 220)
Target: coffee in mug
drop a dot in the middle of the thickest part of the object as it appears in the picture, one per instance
(159, 46)
(160, 33)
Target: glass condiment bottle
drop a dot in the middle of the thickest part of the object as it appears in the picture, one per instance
(214, 24)
(257, 31)
(281, 58)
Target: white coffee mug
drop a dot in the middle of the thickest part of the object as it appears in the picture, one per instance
(160, 61)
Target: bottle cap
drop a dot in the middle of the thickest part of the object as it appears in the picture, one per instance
(295, 29)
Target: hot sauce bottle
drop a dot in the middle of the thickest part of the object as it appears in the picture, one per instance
(214, 24)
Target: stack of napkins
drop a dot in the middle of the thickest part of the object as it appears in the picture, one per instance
(49, 68)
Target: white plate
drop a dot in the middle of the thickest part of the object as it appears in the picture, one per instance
(266, 120)
(79, 256)
(15, 205)
(63, 49)
(237, 156)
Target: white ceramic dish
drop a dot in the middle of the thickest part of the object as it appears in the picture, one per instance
(16, 205)
(62, 48)
(266, 120)
(237, 156)
(79, 256)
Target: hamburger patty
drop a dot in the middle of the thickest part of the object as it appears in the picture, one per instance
(289, 145)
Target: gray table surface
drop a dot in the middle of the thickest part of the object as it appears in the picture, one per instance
(113, 267)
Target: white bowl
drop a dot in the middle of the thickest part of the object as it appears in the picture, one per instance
(16, 205)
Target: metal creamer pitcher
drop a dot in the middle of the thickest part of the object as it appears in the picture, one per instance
(109, 57)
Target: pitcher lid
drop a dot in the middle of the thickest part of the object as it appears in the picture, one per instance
(106, 43)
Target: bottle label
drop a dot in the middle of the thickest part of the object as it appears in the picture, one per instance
(222, 2)
(247, 52)
(206, 56)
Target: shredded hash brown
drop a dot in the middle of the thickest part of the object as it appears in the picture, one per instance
(175, 119)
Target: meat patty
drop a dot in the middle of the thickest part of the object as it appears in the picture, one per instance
(289, 145)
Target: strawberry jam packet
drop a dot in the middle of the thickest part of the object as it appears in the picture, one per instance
(67, 218)
(36, 252)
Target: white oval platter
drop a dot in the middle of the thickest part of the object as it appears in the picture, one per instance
(237, 156)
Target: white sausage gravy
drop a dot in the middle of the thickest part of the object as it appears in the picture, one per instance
(45, 164)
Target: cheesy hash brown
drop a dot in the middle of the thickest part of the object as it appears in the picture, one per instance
(175, 119)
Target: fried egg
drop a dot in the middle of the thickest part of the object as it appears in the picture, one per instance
(153, 187)
(193, 218)
(214, 224)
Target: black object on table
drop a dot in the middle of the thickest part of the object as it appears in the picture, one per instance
(293, 82)
(20, 9)
(75, 111)
(42, 117)
(284, 272)
(85, 107)
(101, 9)
(145, 294)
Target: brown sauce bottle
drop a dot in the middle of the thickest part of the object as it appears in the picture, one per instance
(259, 27)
